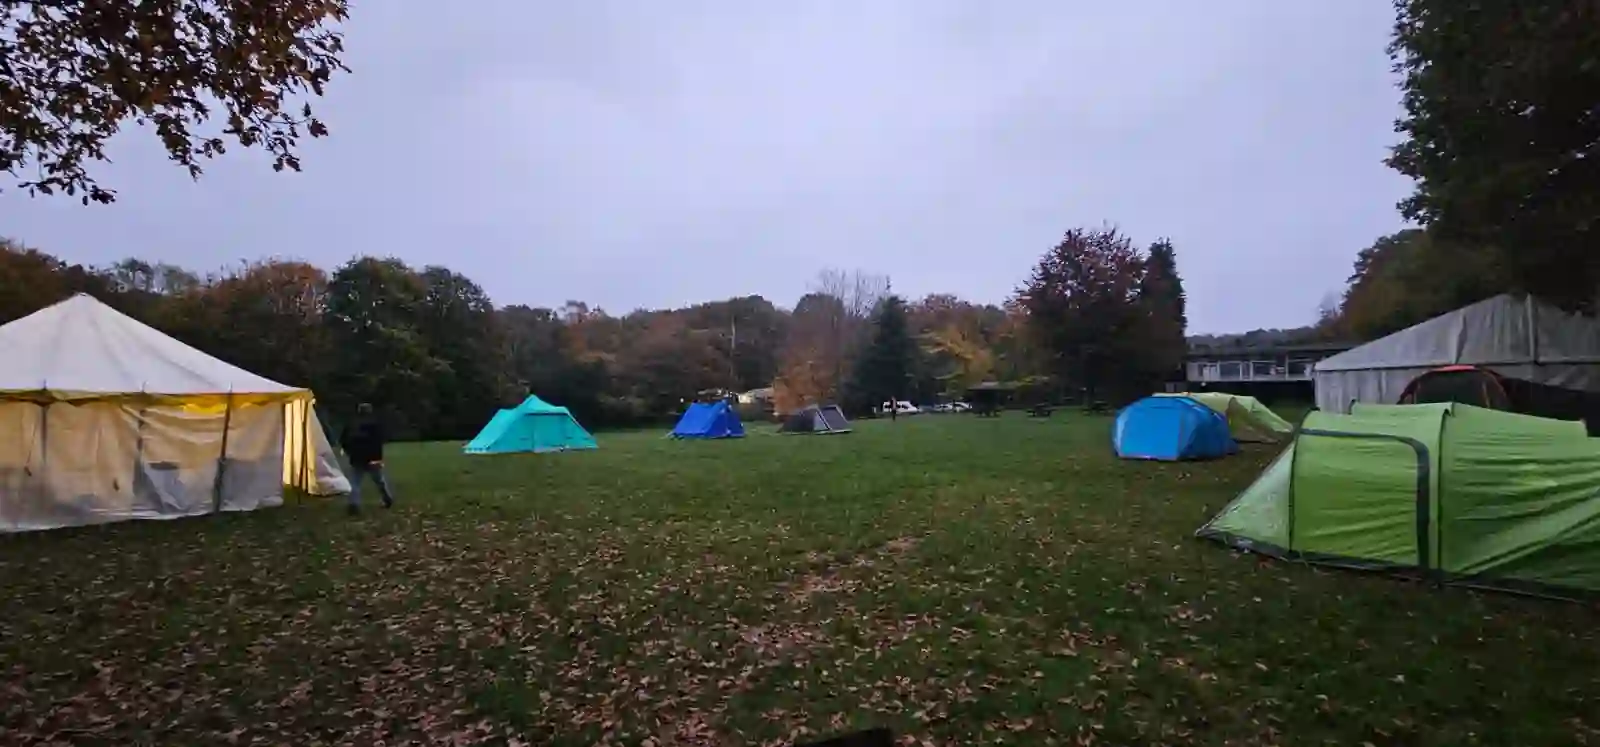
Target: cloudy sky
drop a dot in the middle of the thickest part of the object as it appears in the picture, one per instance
(643, 154)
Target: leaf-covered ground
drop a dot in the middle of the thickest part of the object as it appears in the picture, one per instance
(962, 580)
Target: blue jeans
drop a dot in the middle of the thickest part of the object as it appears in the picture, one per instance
(358, 475)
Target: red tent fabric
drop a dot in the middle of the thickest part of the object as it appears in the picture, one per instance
(1465, 384)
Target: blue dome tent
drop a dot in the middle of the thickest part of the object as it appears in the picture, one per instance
(1171, 428)
(709, 420)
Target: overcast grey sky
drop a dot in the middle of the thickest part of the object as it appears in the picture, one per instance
(643, 154)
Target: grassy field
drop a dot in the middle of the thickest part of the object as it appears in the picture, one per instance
(964, 581)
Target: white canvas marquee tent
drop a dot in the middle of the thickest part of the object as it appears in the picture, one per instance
(1515, 336)
(106, 419)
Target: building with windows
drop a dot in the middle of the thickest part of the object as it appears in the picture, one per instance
(1269, 371)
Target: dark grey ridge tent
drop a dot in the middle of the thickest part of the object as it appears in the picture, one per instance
(816, 419)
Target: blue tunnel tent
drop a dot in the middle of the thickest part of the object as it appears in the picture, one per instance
(1170, 429)
(709, 420)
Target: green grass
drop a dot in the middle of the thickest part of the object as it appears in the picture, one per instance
(962, 580)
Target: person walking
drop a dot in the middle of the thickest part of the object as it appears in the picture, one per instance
(362, 441)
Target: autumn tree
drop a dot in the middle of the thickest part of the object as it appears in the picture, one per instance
(73, 72)
(808, 365)
(535, 347)
(958, 342)
(670, 362)
(462, 332)
(267, 317)
(935, 310)
(883, 372)
(430, 349)
(747, 331)
(383, 356)
(595, 335)
(151, 292)
(846, 326)
(31, 280)
(1501, 135)
(540, 354)
(1018, 350)
(1412, 275)
(827, 329)
(134, 275)
(958, 358)
(1330, 325)
(1082, 305)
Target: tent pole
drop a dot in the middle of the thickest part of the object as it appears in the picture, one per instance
(287, 414)
(144, 409)
(44, 429)
(305, 432)
(1533, 330)
(44, 443)
(1294, 456)
(44, 435)
(296, 475)
(222, 459)
(308, 468)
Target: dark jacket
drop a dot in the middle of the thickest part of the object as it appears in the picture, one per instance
(363, 441)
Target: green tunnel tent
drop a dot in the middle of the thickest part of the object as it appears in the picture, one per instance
(1248, 419)
(1470, 495)
(533, 426)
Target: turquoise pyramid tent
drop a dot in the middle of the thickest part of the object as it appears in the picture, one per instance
(536, 426)
(709, 420)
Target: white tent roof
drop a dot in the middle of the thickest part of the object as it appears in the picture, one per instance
(1501, 331)
(83, 346)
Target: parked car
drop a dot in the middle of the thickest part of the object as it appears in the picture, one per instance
(898, 407)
